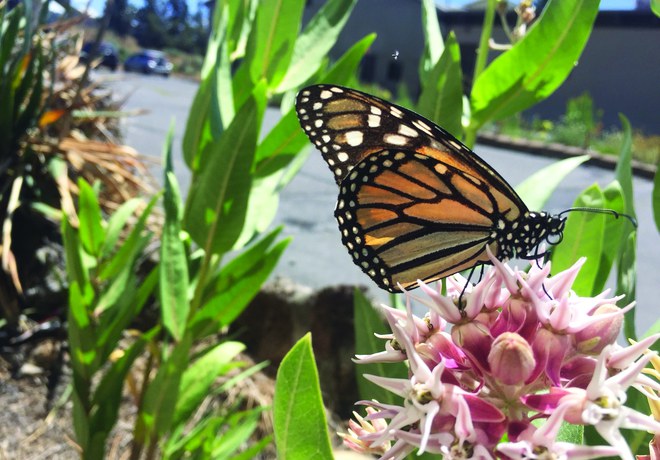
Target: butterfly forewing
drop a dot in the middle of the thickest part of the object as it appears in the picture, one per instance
(414, 202)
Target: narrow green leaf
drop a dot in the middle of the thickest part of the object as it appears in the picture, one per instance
(163, 391)
(197, 379)
(656, 198)
(217, 203)
(367, 323)
(240, 427)
(223, 307)
(433, 43)
(626, 281)
(241, 20)
(116, 224)
(130, 247)
(583, 237)
(537, 65)
(89, 214)
(612, 235)
(271, 42)
(623, 171)
(442, 94)
(315, 42)
(173, 263)
(551, 176)
(299, 419)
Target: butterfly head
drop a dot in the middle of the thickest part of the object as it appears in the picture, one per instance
(519, 238)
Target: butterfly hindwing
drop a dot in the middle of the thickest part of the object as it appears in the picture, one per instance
(402, 218)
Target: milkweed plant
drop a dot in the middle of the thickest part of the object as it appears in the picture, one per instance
(504, 375)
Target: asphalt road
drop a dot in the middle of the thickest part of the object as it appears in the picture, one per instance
(316, 256)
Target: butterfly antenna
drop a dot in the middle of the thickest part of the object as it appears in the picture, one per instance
(611, 212)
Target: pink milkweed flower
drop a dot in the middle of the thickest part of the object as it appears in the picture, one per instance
(523, 355)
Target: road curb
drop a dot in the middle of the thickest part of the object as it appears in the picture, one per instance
(555, 150)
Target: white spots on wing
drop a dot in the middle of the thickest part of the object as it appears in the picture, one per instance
(354, 138)
(375, 110)
(387, 163)
(373, 120)
(302, 111)
(305, 93)
(399, 156)
(336, 90)
(456, 145)
(422, 126)
(396, 112)
(342, 156)
(407, 131)
(325, 94)
(395, 139)
(318, 123)
(308, 128)
(304, 99)
(338, 172)
(326, 138)
(317, 106)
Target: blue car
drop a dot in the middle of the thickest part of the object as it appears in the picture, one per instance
(148, 62)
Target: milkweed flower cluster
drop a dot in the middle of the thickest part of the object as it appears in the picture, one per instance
(522, 356)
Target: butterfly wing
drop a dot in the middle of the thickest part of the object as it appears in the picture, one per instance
(414, 203)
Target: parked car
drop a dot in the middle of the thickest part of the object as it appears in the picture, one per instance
(106, 51)
(148, 62)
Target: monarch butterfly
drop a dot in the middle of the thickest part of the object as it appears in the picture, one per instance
(414, 202)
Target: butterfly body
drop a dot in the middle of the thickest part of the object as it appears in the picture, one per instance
(414, 202)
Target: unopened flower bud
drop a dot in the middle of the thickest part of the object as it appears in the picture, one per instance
(511, 359)
(593, 338)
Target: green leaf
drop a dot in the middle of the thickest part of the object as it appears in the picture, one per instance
(217, 204)
(163, 391)
(116, 224)
(656, 199)
(131, 247)
(655, 7)
(442, 94)
(315, 42)
(197, 380)
(612, 236)
(299, 419)
(433, 43)
(237, 285)
(89, 214)
(367, 323)
(623, 171)
(173, 263)
(571, 433)
(551, 176)
(537, 65)
(271, 42)
(583, 237)
(626, 281)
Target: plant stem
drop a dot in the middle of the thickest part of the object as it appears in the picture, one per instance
(482, 59)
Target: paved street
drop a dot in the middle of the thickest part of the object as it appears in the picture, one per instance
(316, 256)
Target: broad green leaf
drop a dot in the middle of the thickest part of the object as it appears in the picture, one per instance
(656, 199)
(217, 204)
(299, 419)
(89, 214)
(173, 263)
(163, 391)
(367, 323)
(442, 94)
(241, 19)
(612, 236)
(197, 380)
(583, 237)
(626, 281)
(655, 7)
(433, 43)
(536, 196)
(116, 224)
(315, 42)
(271, 42)
(537, 65)
(569, 432)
